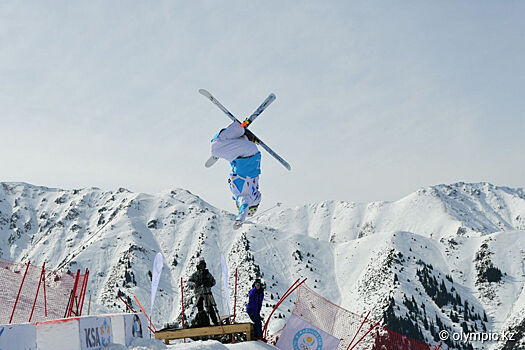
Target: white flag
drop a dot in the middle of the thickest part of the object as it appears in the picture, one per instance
(157, 269)
(299, 334)
(225, 282)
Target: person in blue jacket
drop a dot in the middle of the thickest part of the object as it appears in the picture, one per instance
(233, 145)
(255, 300)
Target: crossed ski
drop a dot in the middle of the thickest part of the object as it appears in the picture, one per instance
(248, 121)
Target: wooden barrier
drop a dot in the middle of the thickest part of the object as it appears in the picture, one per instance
(171, 334)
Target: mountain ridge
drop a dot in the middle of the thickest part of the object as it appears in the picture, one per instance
(440, 246)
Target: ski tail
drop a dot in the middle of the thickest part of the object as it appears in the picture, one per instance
(212, 160)
(259, 142)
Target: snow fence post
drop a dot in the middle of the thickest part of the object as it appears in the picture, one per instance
(73, 294)
(45, 296)
(151, 323)
(19, 290)
(182, 302)
(83, 290)
(374, 326)
(37, 290)
(283, 298)
(234, 302)
(362, 323)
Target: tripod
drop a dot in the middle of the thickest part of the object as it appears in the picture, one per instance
(211, 306)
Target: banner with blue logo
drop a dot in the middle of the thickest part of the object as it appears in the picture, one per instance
(299, 334)
(95, 332)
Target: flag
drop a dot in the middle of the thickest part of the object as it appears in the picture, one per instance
(298, 334)
(225, 282)
(157, 269)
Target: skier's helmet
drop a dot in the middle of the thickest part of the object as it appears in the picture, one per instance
(257, 282)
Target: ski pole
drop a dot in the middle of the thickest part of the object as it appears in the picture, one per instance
(278, 204)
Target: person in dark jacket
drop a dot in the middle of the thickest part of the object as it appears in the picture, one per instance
(202, 281)
(255, 300)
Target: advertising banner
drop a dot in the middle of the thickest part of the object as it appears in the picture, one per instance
(19, 336)
(136, 326)
(95, 332)
(301, 335)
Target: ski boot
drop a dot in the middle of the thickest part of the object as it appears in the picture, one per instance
(237, 224)
(252, 210)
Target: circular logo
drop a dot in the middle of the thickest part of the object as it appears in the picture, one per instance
(307, 339)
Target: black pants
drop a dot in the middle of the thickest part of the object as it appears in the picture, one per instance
(209, 307)
(257, 324)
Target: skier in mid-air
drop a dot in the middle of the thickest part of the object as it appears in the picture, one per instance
(233, 145)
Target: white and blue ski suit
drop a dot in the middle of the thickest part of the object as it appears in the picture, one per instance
(245, 159)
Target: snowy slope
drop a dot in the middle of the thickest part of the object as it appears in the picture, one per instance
(456, 249)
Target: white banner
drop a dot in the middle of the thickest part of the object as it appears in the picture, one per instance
(301, 335)
(95, 332)
(225, 282)
(19, 336)
(157, 269)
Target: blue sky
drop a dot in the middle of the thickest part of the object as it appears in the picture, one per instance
(374, 99)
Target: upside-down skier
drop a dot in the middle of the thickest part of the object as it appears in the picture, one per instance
(234, 145)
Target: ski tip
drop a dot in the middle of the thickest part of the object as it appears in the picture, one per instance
(204, 92)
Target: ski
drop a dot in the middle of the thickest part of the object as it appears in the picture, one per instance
(258, 141)
(206, 94)
(212, 160)
(249, 133)
(259, 110)
(248, 120)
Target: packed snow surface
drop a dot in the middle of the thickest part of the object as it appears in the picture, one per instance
(143, 344)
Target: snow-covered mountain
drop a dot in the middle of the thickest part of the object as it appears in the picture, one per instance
(445, 257)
